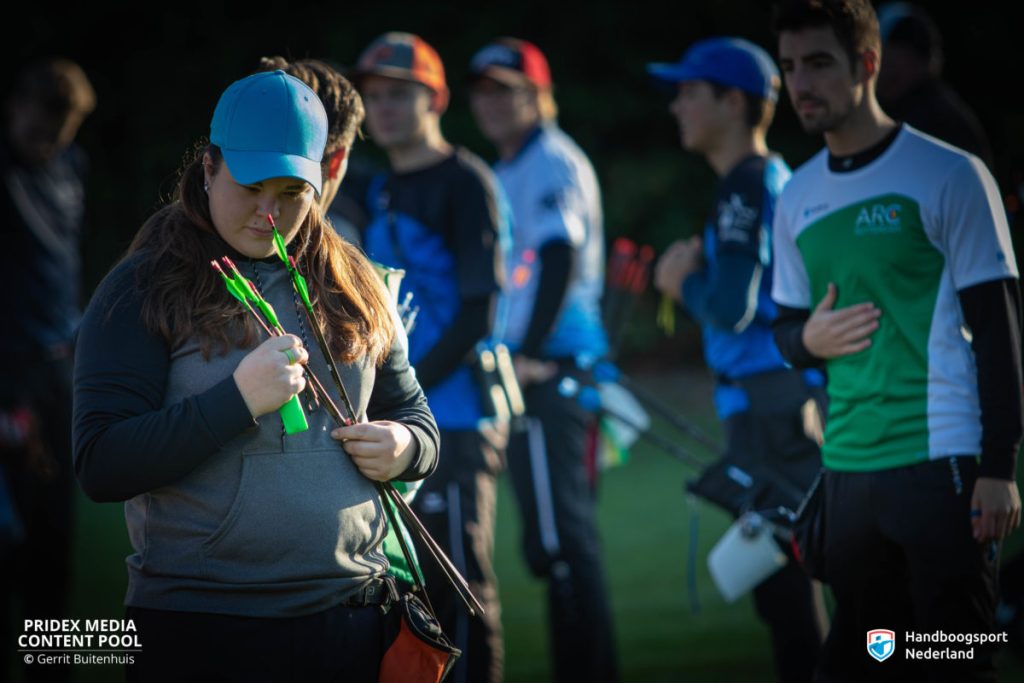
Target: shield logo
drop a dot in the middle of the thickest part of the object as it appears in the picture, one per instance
(881, 643)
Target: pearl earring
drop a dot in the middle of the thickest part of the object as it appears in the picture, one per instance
(206, 187)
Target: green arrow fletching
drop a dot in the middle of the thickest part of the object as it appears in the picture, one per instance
(279, 243)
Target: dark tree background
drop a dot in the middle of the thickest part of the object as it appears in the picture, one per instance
(158, 70)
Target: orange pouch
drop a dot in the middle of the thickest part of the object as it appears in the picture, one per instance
(420, 653)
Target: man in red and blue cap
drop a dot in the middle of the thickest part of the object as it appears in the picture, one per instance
(551, 321)
(726, 90)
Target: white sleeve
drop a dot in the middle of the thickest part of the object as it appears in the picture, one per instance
(790, 286)
(973, 230)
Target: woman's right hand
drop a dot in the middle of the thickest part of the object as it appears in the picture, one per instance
(271, 374)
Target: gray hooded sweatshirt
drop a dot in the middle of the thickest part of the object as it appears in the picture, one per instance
(227, 514)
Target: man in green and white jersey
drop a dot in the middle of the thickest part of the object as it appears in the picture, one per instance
(899, 244)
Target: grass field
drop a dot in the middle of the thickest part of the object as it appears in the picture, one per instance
(644, 519)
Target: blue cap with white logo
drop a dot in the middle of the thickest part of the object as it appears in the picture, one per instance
(732, 62)
(271, 125)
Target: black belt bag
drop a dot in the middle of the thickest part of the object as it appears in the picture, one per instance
(771, 462)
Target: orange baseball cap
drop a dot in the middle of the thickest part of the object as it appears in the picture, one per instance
(406, 57)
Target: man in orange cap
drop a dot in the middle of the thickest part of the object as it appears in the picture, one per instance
(436, 215)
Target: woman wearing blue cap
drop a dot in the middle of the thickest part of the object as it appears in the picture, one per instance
(256, 552)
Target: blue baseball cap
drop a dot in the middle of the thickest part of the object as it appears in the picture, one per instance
(732, 62)
(271, 125)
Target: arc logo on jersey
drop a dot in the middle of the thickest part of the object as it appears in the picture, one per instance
(881, 643)
(878, 219)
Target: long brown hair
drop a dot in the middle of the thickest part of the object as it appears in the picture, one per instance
(183, 297)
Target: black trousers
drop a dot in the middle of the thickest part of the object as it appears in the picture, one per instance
(457, 506)
(774, 430)
(560, 538)
(338, 645)
(901, 556)
(41, 479)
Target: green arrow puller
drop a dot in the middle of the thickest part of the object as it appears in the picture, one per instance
(239, 287)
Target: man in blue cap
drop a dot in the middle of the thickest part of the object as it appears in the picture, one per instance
(725, 100)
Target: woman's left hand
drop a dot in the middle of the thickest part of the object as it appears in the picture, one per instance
(381, 450)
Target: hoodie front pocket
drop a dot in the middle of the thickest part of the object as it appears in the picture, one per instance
(296, 516)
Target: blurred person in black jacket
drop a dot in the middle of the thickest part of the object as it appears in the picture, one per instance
(910, 87)
(42, 197)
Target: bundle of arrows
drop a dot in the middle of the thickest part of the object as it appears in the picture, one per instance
(243, 289)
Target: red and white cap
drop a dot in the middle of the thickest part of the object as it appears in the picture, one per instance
(513, 62)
